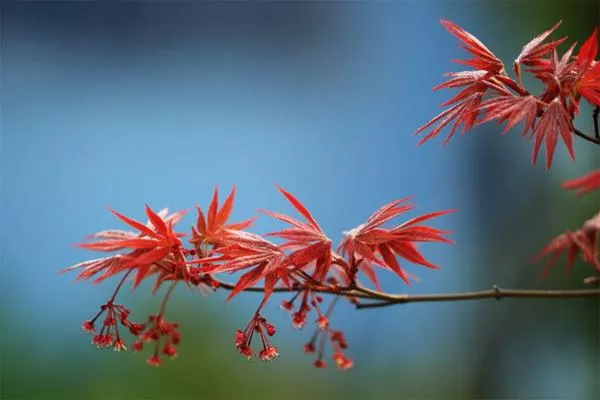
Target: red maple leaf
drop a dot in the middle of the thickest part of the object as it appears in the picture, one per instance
(488, 76)
(559, 75)
(309, 242)
(464, 112)
(155, 242)
(213, 230)
(483, 57)
(248, 250)
(588, 51)
(380, 246)
(589, 84)
(554, 122)
(584, 184)
(533, 53)
(548, 116)
(583, 240)
(512, 108)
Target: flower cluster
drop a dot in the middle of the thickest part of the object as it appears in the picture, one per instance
(109, 336)
(158, 330)
(489, 93)
(304, 262)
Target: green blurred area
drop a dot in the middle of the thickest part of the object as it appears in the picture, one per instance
(44, 367)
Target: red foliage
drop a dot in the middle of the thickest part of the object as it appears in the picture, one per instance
(376, 245)
(213, 230)
(303, 262)
(488, 93)
(154, 249)
(584, 184)
(583, 240)
(307, 240)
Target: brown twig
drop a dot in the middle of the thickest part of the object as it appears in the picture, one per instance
(595, 140)
(382, 299)
(494, 293)
(595, 119)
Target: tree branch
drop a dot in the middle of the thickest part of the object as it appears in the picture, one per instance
(596, 138)
(382, 299)
(582, 135)
(494, 293)
(595, 118)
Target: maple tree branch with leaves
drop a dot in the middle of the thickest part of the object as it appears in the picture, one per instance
(305, 263)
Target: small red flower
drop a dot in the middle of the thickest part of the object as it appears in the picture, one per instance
(336, 339)
(309, 348)
(342, 361)
(109, 335)
(159, 332)
(119, 345)
(154, 361)
(169, 350)
(138, 345)
(243, 339)
(88, 327)
(269, 353)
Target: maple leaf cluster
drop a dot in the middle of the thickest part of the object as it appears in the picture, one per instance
(487, 92)
(304, 262)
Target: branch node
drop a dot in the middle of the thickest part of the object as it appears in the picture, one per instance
(498, 292)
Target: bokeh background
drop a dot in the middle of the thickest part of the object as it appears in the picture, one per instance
(126, 103)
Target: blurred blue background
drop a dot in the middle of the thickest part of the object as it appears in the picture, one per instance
(130, 103)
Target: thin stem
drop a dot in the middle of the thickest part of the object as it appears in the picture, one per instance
(494, 293)
(595, 118)
(163, 304)
(382, 299)
(582, 135)
(112, 299)
(331, 306)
